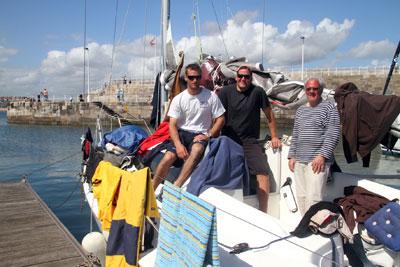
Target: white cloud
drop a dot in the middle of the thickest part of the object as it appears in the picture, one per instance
(373, 49)
(62, 71)
(245, 15)
(6, 53)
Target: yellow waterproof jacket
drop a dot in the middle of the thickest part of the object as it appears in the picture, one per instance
(132, 198)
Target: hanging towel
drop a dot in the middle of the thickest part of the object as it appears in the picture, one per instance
(188, 230)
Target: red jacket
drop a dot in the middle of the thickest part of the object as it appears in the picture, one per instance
(159, 136)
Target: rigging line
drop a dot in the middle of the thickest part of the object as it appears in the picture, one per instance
(197, 34)
(68, 197)
(84, 48)
(219, 28)
(265, 230)
(229, 13)
(113, 48)
(144, 43)
(198, 28)
(262, 35)
(124, 23)
(51, 164)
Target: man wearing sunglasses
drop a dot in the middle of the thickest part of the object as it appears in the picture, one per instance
(315, 136)
(195, 115)
(243, 102)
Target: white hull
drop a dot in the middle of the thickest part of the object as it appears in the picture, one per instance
(239, 221)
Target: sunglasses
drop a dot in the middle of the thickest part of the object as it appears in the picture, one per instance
(197, 77)
(312, 89)
(241, 76)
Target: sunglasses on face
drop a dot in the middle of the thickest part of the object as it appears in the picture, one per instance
(311, 89)
(193, 77)
(245, 76)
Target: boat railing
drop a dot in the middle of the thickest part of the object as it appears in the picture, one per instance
(336, 71)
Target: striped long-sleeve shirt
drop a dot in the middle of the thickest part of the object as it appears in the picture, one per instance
(316, 132)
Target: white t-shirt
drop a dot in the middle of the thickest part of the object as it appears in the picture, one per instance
(195, 113)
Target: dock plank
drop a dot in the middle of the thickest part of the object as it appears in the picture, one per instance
(30, 233)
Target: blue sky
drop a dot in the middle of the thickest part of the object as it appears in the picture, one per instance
(41, 41)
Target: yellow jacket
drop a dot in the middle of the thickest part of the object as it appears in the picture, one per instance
(125, 197)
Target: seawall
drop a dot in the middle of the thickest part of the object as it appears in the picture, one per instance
(135, 105)
(74, 114)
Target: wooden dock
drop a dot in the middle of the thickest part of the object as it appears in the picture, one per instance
(30, 233)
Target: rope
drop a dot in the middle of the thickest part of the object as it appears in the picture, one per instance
(67, 198)
(124, 23)
(219, 28)
(144, 41)
(113, 49)
(84, 50)
(42, 168)
(262, 35)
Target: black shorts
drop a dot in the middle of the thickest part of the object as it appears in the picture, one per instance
(186, 140)
(256, 159)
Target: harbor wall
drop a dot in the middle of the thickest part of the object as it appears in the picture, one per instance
(74, 114)
(135, 105)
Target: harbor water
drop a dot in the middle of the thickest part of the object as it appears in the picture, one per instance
(50, 157)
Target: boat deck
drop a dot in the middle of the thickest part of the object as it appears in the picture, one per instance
(30, 233)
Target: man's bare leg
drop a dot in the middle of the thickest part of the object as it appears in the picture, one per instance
(163, 168)
(191, 162)
(262, 192)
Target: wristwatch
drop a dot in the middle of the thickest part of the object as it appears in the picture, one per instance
(208, 134)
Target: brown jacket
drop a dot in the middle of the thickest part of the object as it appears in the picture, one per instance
(365, 119)
(361, 201)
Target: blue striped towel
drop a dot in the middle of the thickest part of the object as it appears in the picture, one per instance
(188, 230)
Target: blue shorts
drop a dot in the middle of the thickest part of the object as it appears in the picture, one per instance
(186, 139)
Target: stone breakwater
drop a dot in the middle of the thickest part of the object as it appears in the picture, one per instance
(136, 106)
(81, 113)
(74, 114)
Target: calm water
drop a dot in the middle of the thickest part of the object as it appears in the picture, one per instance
(50, 156)
(29, 150)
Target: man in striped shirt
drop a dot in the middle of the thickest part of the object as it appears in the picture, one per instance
(314, 139)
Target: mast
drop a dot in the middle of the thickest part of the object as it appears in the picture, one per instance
(165, 16)
(394, 61)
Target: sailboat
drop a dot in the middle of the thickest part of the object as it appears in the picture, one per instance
(249, 237)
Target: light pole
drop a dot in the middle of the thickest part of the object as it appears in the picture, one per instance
(88, 79)
(302, 57)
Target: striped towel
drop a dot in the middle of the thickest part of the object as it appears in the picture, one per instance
(188, 230)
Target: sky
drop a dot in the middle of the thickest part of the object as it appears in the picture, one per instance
(42, 41)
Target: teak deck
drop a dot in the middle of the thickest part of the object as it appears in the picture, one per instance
(30, 233)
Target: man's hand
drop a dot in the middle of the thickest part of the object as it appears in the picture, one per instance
(200, 137)
(276, 143)
(318, 164)
(182, 152)
(292, 162)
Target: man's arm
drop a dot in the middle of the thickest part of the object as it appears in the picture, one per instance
(173, 132)
(293, 145)
(217, 126)
(272, 126)
(331, 140)
(214, 131)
